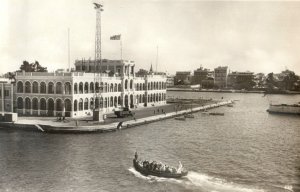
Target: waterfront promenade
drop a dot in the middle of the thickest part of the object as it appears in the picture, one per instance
(85, 125)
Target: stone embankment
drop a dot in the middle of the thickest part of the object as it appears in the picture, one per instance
(49, 127)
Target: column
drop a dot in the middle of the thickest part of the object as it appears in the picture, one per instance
(31, 104)
(12, 98)
(39, 105)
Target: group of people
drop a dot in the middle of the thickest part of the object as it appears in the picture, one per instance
(158, 166)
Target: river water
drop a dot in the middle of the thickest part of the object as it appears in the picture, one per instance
(245, 150)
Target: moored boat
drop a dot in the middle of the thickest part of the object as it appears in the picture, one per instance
(180, 118)
(285, 109)
(158, 169)
(216, 113)
(189, 116)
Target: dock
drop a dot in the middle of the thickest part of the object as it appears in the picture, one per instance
(47, 126)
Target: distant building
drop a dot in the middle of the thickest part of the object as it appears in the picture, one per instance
(220, 75)
(182, 78)
(240, 80)
(170, 81)
(208, 83)
(6, 95)
(199, 75)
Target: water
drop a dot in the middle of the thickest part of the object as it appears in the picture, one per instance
(245, 150)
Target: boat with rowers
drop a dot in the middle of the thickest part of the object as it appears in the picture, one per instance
(158, 169)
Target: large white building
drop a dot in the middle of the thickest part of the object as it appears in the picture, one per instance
(103, 86)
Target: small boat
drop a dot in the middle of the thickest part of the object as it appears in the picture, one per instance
(180, 118)
(285, 109)
(189, 116)
(169, 172)
(216, 113)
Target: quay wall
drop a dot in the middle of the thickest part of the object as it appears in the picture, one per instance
(107, 127)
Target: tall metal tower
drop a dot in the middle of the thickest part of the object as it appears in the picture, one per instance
(98, 57)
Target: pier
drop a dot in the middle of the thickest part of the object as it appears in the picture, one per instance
(111, 124)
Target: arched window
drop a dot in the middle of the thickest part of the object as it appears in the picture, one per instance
(68, 89)
(97, 87)
(75, 88)
(86, 104)
(50, 88)
(86, 87)
(59, 105)
(141, 86)
(131, 84)
(126, 83)
(43, 104)
(27, 103)
(27, 87)
(92, 87)
(101, 87)
(101, 102)
(68, 107)
(80, 104)
(35, 87)
(91, 103)
(105, 102)
(111, 101)
(80, 88)
(119, 101)
(105, 87)
(35, 105)
(20, 87)
(115, 101)
(20, 103)
(50, 107)
(116, 88)
(59, 88)
(111, 87)
(75, 105)
(97, 103)
(119, 87)
(42, 87)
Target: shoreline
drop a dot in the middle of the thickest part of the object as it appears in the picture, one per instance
(48, 128)
(231, 91)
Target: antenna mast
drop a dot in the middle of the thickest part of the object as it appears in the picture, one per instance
(98, 56)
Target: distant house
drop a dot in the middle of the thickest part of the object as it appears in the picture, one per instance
(199, 75)
(220, 80)
(182, 78)
(170, 81)
(240, 80)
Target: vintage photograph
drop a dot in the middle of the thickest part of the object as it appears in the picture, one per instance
(149, 95)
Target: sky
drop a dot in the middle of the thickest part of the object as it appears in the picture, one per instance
(245, 36)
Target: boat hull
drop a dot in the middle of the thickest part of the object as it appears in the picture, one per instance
(147, 172)
(285, 109)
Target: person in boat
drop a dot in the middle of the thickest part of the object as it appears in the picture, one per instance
(136, 155)
(180, 167)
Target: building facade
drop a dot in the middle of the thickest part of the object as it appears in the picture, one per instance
(182, 78)
(92, 86)
(199, 75)
(220, 77)
(240, 80)
(6, 96)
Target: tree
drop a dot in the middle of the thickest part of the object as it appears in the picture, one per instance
(33, 67)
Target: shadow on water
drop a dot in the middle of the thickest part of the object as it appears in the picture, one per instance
(200, 181)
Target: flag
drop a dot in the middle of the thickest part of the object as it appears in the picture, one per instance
(115, 37)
